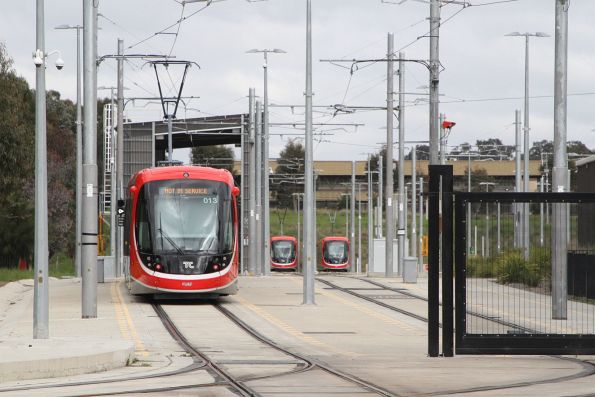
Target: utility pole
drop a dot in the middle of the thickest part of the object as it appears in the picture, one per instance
(41, 288)
(309, 215)
(359, 228)
(120, 156)
(266, 174)
(370, 219)
(352, 230)
(442, 139)
(414, 202)
(89, 219)
(389, 157)
(401, 233)
(518, 233)
(79, 148)
(380, 199)
(252, 248)
(421, 223)
(560, 170)
(434, 79)
(258, 166)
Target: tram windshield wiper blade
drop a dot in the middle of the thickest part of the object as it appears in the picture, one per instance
(169, 239)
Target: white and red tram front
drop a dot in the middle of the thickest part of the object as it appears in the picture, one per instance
(181, 229)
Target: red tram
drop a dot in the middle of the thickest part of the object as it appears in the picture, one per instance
(284, 253)
(181, 232)
(335, 253)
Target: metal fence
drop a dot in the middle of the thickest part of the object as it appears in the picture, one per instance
(525, 273)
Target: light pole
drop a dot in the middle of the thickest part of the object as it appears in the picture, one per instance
(526, 130)
(309, 214)
(487, 220)
(265, 137)
(79, 147)
(41, 290)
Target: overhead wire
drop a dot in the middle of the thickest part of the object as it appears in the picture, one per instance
(179, 21)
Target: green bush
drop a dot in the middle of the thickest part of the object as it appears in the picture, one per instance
(513, 268)
(478, 266)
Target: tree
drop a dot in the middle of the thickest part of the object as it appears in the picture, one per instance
(217, 156)
(17, 156)
(478, 176)
(494, 148)
(422, 153)
(289, 175)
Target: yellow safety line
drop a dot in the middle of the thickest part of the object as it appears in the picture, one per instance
(125, 321)
(291, 330)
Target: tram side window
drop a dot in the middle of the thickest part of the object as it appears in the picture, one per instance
(142, 224)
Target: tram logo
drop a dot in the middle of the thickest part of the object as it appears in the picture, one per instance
(188, 264)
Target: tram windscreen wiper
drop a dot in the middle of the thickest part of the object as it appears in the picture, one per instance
(169, 239)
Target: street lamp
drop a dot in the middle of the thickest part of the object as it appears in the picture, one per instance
(265, 165)
(79, 146)
(526, 130)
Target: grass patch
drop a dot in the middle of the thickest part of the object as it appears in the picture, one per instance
(60, 265)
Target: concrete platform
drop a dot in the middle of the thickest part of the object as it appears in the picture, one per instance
(75, 346)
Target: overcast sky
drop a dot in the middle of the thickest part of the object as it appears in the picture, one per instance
(482, 67)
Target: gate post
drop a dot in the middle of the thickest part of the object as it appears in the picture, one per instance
(441, 180)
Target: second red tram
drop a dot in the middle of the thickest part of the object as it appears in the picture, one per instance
(284, 253)
(335, 253)
(181, 232)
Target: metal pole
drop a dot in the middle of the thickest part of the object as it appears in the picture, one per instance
(380, 199)
(352, 216)
(469, 205)
(309, 215)
(298, 225)
(414, 202)
(258, 166)
(560, 170)
(170, 120)
(41, 288)
(389, 271)
(89, 221)
(79, 153)
(421, 223)
(113, 201)
(120, 156)
(245, 212)
(498, 246)
(442, 140)
(541, 214)
(359, 228)
(434, 79)
(517, 176)
(526, 209)
(401, 233)
(252, 183)
(370, 220)
(347, 216)
(267, 211)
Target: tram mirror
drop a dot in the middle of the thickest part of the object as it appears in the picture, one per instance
(133, 190)
(235, 191)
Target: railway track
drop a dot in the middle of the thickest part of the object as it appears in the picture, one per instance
(588, 367)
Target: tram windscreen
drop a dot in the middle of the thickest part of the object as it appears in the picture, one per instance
(189, 216)
(335, 252)
(283, 251)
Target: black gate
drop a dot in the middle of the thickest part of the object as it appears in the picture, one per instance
(519, 288)
(524, 271)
